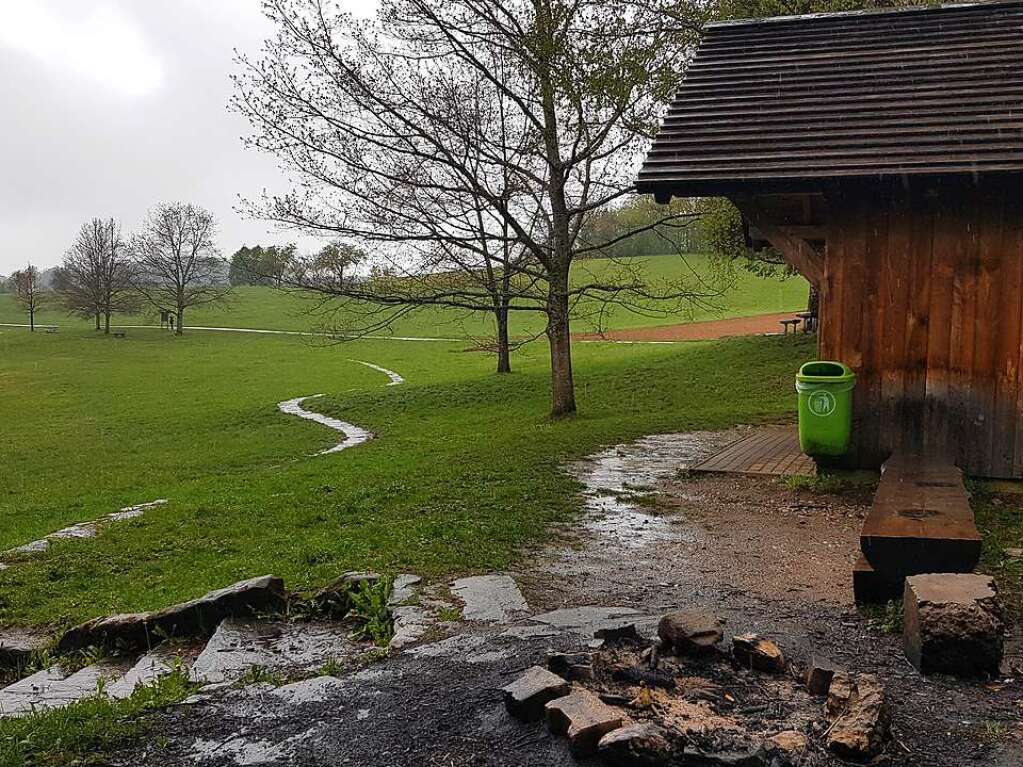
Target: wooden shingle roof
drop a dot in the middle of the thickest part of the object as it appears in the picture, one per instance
(792, 101)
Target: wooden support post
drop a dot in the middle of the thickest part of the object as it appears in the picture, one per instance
(795, 249)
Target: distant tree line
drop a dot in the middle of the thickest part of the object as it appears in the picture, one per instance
(613, 225)
(281, 266)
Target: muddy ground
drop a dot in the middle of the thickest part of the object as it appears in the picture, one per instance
(768, 558)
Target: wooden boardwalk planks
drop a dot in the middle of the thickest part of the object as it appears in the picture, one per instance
(772, 451)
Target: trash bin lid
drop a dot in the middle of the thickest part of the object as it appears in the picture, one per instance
(824, 371)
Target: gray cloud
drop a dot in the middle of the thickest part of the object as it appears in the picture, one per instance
(97, 127)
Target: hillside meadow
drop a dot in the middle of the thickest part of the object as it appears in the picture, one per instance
(463, 472)
(735, 293)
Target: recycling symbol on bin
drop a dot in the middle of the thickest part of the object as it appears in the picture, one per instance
(822, 403)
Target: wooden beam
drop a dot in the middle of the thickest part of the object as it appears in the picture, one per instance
(802, 232)
(796, 250)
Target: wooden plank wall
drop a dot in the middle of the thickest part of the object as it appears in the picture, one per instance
(923, 297)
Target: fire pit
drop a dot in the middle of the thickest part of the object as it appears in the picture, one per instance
(683, 699)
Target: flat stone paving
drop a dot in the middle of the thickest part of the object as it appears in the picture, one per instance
(238, 645)
(52, 688)
(490, 598)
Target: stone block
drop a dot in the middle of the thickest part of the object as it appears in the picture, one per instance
(583, 718)
(755, 652)
(819, 675)
(953, 624)
(690, 632)
(526, 697)
(638, 745)
(198, 617)
(787, 748)
(859, 711)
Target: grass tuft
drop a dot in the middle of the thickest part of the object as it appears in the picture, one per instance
(83, 732)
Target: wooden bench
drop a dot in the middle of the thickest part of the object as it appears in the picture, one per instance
(920, 521)
(793, 323)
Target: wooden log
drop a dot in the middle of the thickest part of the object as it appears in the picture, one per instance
(921, 520)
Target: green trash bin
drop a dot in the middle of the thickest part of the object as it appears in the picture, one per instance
(825, 407)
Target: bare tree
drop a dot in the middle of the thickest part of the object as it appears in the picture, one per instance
(96, 276)
(177, 264)
(380, 121)
(28, 291)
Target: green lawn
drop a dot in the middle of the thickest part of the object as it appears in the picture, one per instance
(464, 470)
(735, 295)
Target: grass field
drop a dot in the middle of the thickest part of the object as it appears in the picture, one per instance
(464, 470)
(735, 295)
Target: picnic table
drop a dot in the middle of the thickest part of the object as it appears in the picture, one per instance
(793, 323)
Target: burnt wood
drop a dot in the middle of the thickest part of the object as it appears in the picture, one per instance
(920, 521)
(872, 588)
(782, 103)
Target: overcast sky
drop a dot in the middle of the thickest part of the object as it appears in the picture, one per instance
(110, 106)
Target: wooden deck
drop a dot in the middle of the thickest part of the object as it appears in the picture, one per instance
(772, 450)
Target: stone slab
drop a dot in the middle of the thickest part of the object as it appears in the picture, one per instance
(53, 689)
(411, 624)
(146, 670)
(313, 690)
(490, 598)
(582, 621)
(583, 718)
(238, 645)
(197, 617)
(17, 646)
(404, 588)
(22, 696)
(953, 624)
(526, 697)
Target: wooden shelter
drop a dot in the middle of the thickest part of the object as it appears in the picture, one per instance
(881, 153)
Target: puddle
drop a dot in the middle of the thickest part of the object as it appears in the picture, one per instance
(618, 480)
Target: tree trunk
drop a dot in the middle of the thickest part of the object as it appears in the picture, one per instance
(560, 341)
(179, 328)
(503, 347)
(31, 320)
(106, 323)
(97, 320)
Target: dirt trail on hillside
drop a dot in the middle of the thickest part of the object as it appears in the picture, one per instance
(697, 331)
